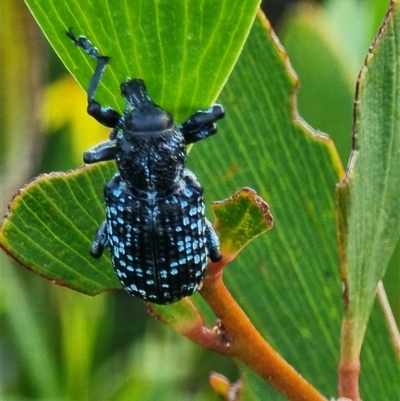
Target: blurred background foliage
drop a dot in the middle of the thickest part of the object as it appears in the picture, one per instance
(44, 127)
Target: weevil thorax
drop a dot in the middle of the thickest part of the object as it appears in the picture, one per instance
(151, 151)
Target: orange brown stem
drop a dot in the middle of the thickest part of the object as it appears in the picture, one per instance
(349, 365)
(349, 372)
(250, 347)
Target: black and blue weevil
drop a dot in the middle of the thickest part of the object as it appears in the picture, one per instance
(155, 227)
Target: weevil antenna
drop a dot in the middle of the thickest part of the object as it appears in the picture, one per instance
(102, 61)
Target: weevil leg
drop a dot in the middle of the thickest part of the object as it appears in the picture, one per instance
(201, 124)
(100, 241)
(213, 243)
(104, 115)
(192, 182)
(101, 152)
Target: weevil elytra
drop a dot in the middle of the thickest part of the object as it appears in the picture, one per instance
(155, 227)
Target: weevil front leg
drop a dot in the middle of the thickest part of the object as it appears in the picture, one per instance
(201, 124)
(100, 241)
(212, 243)
(104, 115)
(102, 152)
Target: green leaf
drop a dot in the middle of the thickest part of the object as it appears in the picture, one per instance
(369, 196)
(184, 51)
(326, 69)
(51, 224)
(288, 282)
(239, 219)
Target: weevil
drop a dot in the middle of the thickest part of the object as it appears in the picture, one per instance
(156, 230)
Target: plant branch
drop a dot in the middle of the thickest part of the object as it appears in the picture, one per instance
(247, 344)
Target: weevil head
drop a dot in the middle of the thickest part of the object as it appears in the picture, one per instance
(143, 115)
(150, 150)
